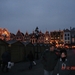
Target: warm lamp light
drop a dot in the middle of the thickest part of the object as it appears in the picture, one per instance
(46, 38)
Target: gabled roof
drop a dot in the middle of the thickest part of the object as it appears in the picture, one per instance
(19, 33)
(22, 33)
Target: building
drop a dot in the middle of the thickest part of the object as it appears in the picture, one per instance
(72, 37)
(4, 34)
(33, 38)
(67, 36)
(12, 36)
(26, 37)
(47, 37)
(56, 38)
(41, 37)
(19, 36)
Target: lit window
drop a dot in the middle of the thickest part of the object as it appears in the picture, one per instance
(58, 37)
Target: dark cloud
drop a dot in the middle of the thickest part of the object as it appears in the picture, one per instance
(27, 14)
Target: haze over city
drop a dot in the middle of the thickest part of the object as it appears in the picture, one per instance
(26, 15)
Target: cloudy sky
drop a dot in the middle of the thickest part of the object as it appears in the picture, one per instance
(26, 15)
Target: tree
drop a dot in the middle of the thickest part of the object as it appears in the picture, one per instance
(37, 32)
(37, 36)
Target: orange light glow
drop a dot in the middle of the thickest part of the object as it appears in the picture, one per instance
(46, 38)
(4, 33)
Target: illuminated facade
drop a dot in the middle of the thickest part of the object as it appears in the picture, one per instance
(4, 34)
(56, 37)
(47, 37)
(33, 38)
(59, 38)
(41, 37)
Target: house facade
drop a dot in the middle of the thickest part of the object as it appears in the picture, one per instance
(67, 36)
(56, 37)
(72, 31)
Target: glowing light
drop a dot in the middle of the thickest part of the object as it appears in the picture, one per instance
(57, 42)
(73, 46)
(46, 38)
(4, 33)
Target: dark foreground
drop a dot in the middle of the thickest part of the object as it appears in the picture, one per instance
(22, 68)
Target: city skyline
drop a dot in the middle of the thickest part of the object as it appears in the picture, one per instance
(5, 29)
(59, 37)
(26, 15)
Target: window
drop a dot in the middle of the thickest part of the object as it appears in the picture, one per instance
(36, 40)
(61, 37)
(33, 41)
(58, 37)
(52, 38)
(65, 38)
(68, 34)
(68, 38)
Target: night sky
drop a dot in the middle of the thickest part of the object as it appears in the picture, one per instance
(26, 15)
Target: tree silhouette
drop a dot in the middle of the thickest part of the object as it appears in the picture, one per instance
(37, 32)
(37, 36)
